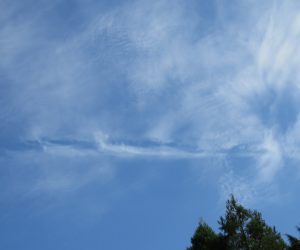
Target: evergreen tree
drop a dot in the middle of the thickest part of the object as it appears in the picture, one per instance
(294, 242)
(240, 229)
(205, 238)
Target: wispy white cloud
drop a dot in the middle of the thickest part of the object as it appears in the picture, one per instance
(271, 160)
(230, 82)
(239, 186)
(247, 189)
(154, 71)
(69, 179)
(55, 170)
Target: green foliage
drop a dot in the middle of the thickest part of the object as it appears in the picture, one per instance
(294, 242)
(241, 229)
(204, 238)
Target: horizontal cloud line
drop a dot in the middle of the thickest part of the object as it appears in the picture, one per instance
(129, 149)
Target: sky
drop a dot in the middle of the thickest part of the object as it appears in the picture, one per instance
(123, 123)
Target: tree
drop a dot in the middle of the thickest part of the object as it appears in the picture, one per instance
(205, 238)
(294, 242)
(240, 229)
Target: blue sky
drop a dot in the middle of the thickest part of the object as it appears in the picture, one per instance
(122, 123)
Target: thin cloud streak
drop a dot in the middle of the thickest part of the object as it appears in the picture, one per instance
(102, 145)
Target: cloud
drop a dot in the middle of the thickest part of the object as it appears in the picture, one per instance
(67, 180)
(160, 79)
(240, 187)
(247, 189)
(270, 161)
(55, 171)
(231, 85)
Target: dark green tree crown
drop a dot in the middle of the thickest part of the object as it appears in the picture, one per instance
(241, 229)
